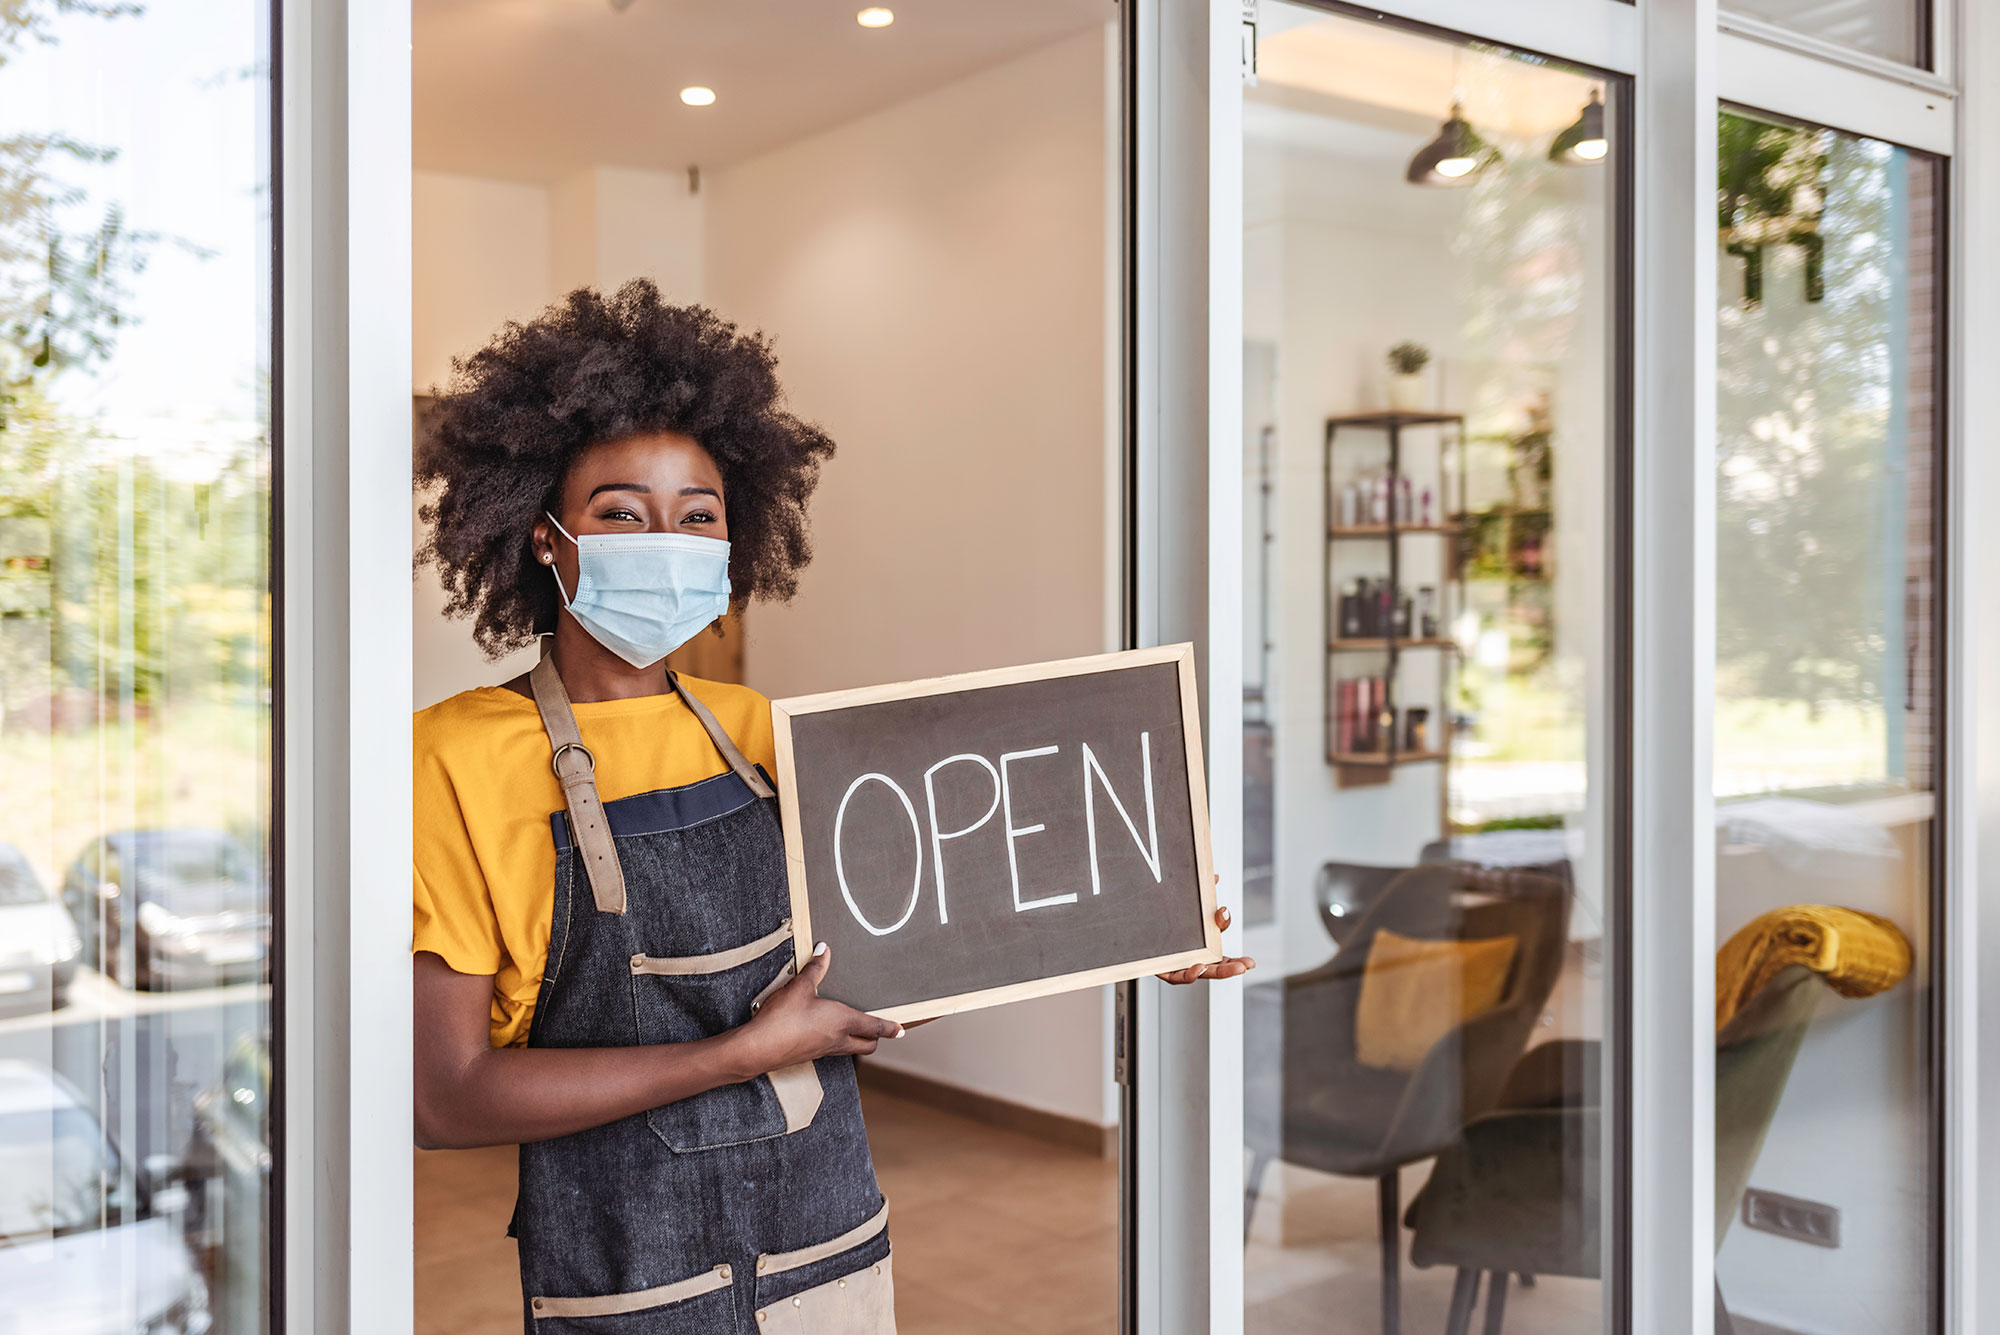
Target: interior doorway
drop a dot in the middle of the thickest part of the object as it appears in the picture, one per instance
(920, 207)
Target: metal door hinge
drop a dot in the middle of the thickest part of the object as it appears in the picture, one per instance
(1249, 51)
(1121, 1061)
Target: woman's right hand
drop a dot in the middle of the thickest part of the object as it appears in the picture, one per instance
(796, 1024)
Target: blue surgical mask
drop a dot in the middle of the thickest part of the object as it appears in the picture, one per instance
(644, 595)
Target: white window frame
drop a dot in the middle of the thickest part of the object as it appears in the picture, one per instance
(344, 1050)
(1688, 59)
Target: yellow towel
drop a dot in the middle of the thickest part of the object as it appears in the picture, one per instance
(1857, 953)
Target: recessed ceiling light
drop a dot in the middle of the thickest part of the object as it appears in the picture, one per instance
(698, 96)
(875, 17)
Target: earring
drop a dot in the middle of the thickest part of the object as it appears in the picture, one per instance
(548, 557)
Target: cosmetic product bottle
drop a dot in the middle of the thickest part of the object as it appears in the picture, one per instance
(1427, 621)
(1350, 505)
(1416, 729)
(1425, 516)
(1405, 514)
(1400, 618)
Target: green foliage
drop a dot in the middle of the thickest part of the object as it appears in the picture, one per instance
(1804, 440)
(129, 573)
(1408, 358)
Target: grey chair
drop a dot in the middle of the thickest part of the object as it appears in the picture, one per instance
(1345, 891)
(1308, 1099)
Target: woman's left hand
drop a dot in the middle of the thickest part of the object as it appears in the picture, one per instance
(1229, 966)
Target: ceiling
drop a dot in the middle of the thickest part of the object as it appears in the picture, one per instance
(532, 90)
(1383, 77)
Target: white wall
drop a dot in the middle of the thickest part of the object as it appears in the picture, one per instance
(935, 277)
(481, 254)
(481, 257)
(611, 224)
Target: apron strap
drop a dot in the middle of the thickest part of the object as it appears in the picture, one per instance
(743, 768)
(576, 769)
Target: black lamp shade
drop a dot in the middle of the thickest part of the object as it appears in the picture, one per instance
(1455, 157)
(1583, 143)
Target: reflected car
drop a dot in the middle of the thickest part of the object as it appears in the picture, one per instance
(228, 1173)
(172, 908)
(87, 1246)
(39, 944)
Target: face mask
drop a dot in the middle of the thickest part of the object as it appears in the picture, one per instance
(644, 595)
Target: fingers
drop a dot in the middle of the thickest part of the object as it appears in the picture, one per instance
(866, 1033)
(1230, 967)
(816, 967)
(1221, 917)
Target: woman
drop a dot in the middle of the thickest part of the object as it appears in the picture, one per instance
(615, 474)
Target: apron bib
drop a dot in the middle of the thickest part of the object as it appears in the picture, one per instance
(744, 1210)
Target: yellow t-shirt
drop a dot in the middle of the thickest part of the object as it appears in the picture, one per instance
(485, 861)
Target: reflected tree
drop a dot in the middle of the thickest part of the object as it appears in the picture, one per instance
(1805, 388)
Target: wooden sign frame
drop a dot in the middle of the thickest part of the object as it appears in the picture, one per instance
(783, 711)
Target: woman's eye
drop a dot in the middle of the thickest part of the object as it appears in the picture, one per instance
(620, 513)
(699, 517)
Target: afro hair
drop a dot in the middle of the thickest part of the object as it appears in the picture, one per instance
(592, 369)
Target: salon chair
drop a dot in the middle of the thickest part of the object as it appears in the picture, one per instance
(1519, 1194)
(1311, 1102)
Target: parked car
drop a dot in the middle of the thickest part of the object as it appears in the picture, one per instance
(170, 908)
(88, 1246)
(39, 944)
(228, 1165)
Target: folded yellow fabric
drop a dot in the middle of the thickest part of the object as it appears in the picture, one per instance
(1857, 953)
(1415, 992)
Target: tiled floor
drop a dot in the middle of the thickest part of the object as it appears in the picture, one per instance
(995, 1234)
(1324, 1277)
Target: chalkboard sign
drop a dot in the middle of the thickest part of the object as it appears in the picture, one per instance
(974, 839)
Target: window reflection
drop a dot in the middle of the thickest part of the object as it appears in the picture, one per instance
(1430, 350)
(1825, 726)
(135, 664)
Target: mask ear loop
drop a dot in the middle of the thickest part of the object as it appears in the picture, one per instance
(552, 564)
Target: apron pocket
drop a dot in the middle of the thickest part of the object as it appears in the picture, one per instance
(843, 1286)
(684, 998)
(860, 1303)
(702, 1302)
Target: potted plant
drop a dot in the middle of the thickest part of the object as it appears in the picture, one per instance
(1406, 368)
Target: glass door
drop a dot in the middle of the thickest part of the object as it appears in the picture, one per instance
(138, 1170)
(1432, 449)
(1827, 744)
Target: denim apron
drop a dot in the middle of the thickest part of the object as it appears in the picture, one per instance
(747, 1209)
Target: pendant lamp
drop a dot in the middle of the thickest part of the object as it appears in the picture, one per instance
(1583, 142)
(1455, 157)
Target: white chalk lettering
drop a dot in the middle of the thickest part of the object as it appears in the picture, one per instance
(1150, 848)
(916, 839)
(1007, 810)
(938, 836)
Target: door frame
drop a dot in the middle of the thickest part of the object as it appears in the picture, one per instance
(343, 1231)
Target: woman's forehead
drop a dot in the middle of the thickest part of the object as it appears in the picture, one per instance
(653, 459)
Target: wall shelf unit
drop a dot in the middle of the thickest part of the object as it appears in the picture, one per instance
(1374, 505)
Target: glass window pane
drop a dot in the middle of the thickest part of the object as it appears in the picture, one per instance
(1825, 727)
(135, 667)
(1893, 29)
(1431, 324)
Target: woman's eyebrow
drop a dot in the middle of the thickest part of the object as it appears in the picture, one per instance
(701, 491)
(619, 486)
